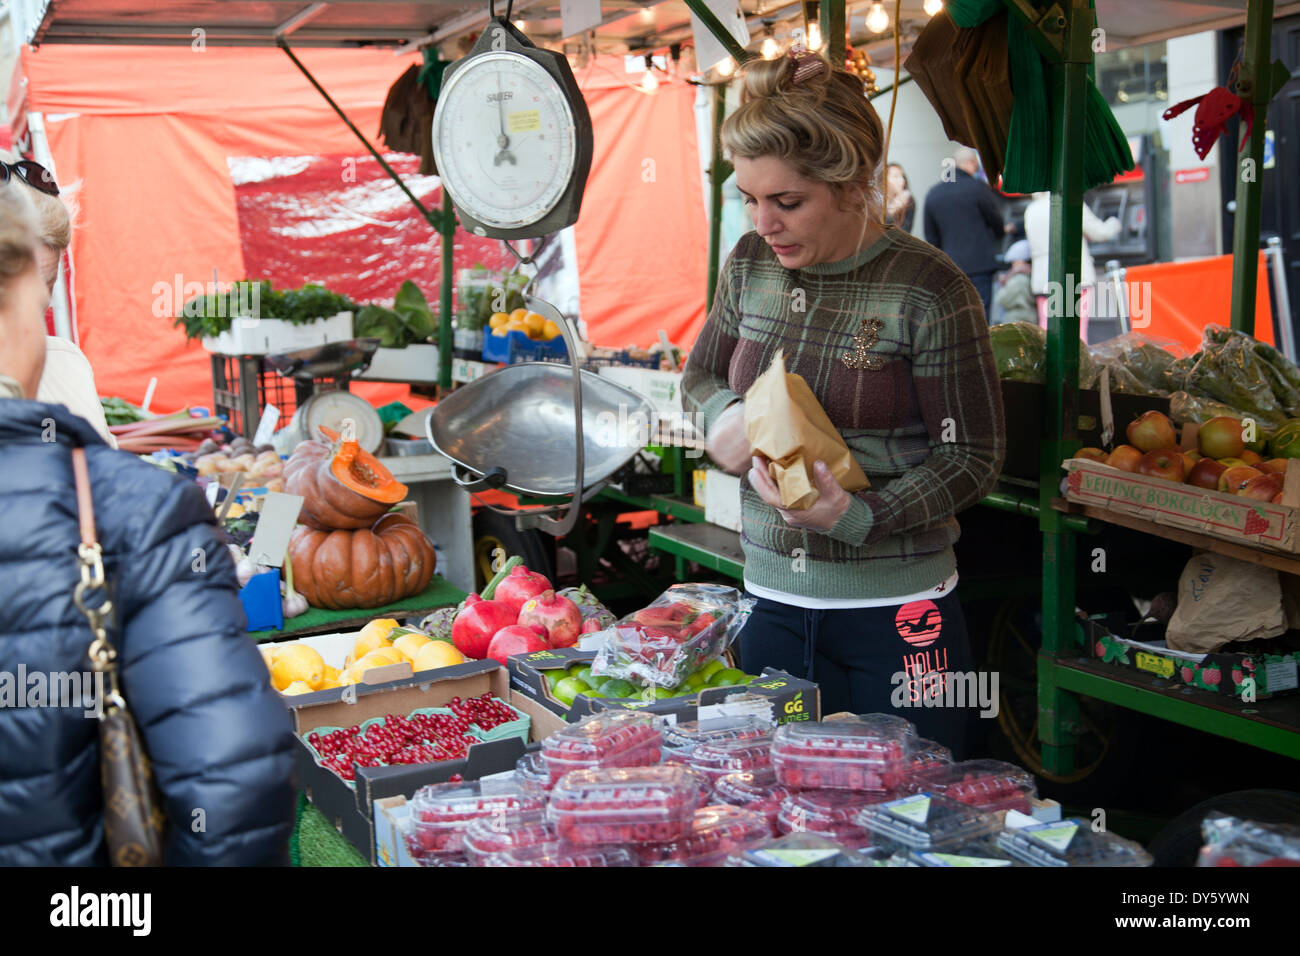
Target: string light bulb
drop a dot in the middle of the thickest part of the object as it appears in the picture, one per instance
(814, 36)
(519, 25)
(770, 49)
(877, 19)
(649, 82)
(932, 7)
(726, 67)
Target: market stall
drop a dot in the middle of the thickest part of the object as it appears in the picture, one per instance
(531, 725)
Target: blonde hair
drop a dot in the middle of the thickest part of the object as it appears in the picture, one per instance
(53, 219)
(824, 126)
(18, 234)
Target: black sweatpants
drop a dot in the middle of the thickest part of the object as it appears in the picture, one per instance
(854, 654)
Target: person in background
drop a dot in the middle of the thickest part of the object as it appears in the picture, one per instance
(68, 380)
(1038, 217)
(1014, 297)
(963, 219)
(855, 592)
(218, 735)
(900, 204)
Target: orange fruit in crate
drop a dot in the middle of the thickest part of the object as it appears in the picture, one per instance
(550, 330)
(518, 315)
(498, 320)
(408, 645)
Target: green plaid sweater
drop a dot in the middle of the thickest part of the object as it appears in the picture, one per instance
(926, 424)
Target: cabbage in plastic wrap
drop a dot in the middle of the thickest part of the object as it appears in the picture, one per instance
(1020, 350)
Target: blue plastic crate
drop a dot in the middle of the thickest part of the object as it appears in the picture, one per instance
(514, 347)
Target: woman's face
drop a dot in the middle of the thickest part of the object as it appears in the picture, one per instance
(897, 181)
(22, 329)
(800, 219)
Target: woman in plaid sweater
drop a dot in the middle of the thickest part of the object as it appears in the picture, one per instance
(857, 591)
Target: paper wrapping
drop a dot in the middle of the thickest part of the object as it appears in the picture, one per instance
(785, 422)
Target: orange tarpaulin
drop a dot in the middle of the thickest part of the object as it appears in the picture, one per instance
(147, 132)
(1177, 300)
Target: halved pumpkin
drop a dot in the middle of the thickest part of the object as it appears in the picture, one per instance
(342, 485)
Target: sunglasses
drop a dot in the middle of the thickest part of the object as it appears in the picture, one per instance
(32, 173)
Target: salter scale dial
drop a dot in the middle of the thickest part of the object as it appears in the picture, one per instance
(512, 137)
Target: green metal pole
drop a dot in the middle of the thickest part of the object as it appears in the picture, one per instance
(719, 170)
(834, 41)
(720, 33)
(1253, 84)
(447, 251)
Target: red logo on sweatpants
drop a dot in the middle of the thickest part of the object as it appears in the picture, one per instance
(919, 623)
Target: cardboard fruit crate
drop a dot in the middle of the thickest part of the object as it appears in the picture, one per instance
(1245, 521)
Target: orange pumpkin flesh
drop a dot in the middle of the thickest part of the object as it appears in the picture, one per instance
(331, 502)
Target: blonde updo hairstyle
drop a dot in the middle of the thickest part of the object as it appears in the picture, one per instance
(53, 221)
(17, 235)
(824, 126)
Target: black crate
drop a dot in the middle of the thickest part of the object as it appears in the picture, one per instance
(1026, 415)
(242, 385)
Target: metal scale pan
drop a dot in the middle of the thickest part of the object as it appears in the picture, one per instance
(535, 428)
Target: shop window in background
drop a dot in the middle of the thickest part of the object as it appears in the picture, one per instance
(1135, 82)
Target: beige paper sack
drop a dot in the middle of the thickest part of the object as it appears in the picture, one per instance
(785, 422)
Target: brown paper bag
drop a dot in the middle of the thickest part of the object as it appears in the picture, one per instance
(1222, 600)
(785, 422)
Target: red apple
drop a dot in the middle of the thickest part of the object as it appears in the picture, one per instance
(1124, 457)
(1262, 488)
(1164, 463)
(1091, 454)
(1190, 458)
(1150, 431)
(1274, 466)
(1234, 479)
(1230, 462)
(1250, 457)
(1221, 438)
(1205, 474)
(1277, 498)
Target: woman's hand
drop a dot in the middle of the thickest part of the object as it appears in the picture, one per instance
(826, 510)
(727, 444)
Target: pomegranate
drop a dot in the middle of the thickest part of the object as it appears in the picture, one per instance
(557, 616)
(516, 639)
(518, 586)
(474, 626)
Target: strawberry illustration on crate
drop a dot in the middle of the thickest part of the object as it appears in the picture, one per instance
(1256, 523)
(1108, 648)
(1212, 676)
(1074, 482)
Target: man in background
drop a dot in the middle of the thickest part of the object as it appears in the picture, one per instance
(962, 218)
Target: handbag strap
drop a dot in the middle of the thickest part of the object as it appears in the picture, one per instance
(90, 556)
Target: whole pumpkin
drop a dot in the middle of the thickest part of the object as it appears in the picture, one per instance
(365, 568)
(342, 485)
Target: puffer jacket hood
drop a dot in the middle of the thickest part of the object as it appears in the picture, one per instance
(219, 737)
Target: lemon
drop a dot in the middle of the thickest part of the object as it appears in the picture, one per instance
(408, 645)
(297, 662)
(437, 654)
(535, 323)
(298, 687)
(498, 319)
(349, 676)
(268, 656)
(331, 673)
(373, 635)
(551, 331)
(518, 315)
(380, 658)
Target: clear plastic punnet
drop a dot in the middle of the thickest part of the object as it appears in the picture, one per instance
(831, 813)
(988, 785)
(531, 769)
(681, 739)
(868, 753)
(562, 854)
(716, 760)
(506, 831)
(756, 790)
(625, 805)
(1071, 842)
(716, 833)
(926, 821)
(1231, 841)
(804, 849)
(981, 852)
(927, 753)
(441, 813)
(680, 631)
(619, 739)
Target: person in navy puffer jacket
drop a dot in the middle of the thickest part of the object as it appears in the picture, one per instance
(219, 737)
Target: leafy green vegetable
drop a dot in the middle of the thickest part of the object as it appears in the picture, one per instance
(210, 314)
(118, 411)
(374, 321)
(414, 309)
